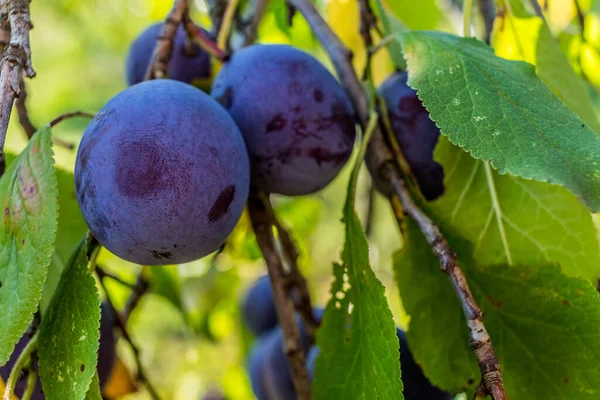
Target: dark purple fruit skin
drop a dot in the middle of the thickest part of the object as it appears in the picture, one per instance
(108, 343)
(162, 174)
(106, 356)
(416, 133)
(258, 308)
(416, 385)
(296, 119)
(182, 67)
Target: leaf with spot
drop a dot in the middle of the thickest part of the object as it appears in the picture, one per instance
(500, 111)
(359, 356)
(510, 220)
(28, 194)
(69, 333)
(543, 325)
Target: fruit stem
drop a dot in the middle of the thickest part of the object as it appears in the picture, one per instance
(225, 30)
(467, 9)
(22, 362)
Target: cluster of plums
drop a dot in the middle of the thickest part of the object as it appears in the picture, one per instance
(106, 356)
(163, 170)
(268, 366)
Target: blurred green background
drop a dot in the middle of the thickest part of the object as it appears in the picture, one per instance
(189, 331)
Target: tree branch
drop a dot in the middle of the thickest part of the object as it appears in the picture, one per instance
(487, 9)
(139, 289)
(262, 224)
(122, 325)
(296, 284)
(252, 30)
(16, 60)
(158, 67)
(384, 169)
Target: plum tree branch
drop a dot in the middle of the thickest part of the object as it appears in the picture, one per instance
(384, 170)
(121, 323)
(262, 223)
(16, 60)
(252, 30)
(158, 67)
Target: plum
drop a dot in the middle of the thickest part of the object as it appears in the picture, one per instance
(106, 356)
(297, 121)
(258, 308)
(108, 342)
(416, 133)
(162, 174)
(186, 65)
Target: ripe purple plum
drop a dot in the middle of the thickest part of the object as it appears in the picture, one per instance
(416, 133)
(297, 121)
(188, 64)
(162, 174)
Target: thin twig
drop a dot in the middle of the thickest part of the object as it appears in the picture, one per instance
(103, 274)
(217, 12)
(384, 169)
(31, 381)
(580, 16)
(139, 289)
(70, 115)
(199, 36)
(367, 21)
(260, 8)
(158, 67)
(538, 10)
(296, 283)
(487, 9)
(263, 229)
(122, 325)
(225, 30)
(16, 60)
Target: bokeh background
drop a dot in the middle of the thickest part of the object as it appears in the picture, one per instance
(188, 329)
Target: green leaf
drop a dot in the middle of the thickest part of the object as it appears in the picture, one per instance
(424, 14)
(437, 332)
(71, 228)
(280, 11)
(530, 40)
(165, 282)
(69, 333)
(510, 220)
(543, 325)
(93, 392)
(28, 193)
(357, 338)
(391, 26)
(499, 111)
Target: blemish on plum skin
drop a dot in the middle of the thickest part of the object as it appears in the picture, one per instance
(161, 255)
(141, 169)
(318, 95)
(221, 205)
(276, 123)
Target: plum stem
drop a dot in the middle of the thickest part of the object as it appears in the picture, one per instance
(121, 323)
(16, 60)
(384, 169)
(225, 30)
(22, 361)
(262, 219)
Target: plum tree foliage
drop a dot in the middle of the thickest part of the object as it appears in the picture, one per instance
(228, 152)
